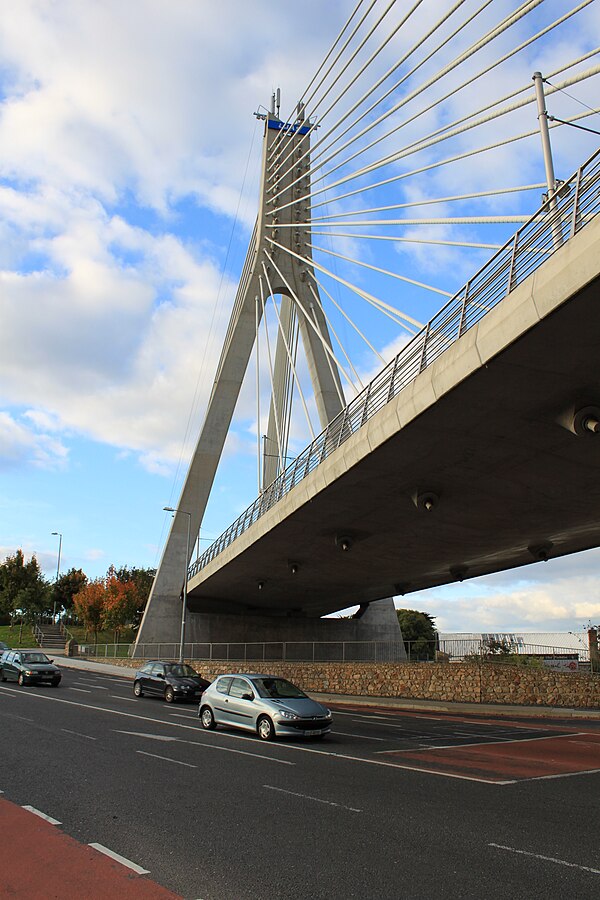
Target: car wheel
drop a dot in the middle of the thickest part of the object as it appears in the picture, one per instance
(55, 682)
(21, 679)
(207, 719)
(169, 695)
(265, 728)
(137, 689)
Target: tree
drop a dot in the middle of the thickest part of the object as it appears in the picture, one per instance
(419, 633)
(66, 587)
(143, 580)
(89, 605)
(121, 602)
(23, 588)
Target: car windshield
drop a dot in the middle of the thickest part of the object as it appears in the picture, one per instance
(34, 658)
(180, 671)
(277, 689)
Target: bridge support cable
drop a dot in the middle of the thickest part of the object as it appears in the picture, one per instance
(351, 322)
(358, 262)
(403, 240)
(402, 319)
(449, 131)
(396, 157)
(506, 23)
(445, 97)
(443, 162)
(259, 474)
(326, 344)
(321, 221)
(275, 406)
(365, 66)
(384, 77)
(284, 331)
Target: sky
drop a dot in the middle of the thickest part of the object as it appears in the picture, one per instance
(129, 177)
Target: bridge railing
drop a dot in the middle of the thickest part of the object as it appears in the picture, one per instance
(558, 219)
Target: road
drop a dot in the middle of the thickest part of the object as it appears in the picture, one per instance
(391, 805)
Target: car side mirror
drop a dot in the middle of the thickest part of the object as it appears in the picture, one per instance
(160, 675)
(247, 696)
(51, 660)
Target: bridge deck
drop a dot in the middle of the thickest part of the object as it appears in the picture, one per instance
(482, 428)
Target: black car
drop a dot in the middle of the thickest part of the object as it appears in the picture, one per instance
(171, 680)
(29, 667)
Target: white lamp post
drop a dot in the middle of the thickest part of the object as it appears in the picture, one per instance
(60, 537)
(172, 509)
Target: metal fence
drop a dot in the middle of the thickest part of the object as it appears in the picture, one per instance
(269, 651)
(554, 223)
(561, 658)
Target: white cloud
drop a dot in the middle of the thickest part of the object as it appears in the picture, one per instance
(21, 446)
(561, 595)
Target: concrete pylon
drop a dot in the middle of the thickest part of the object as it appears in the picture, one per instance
(278, 262)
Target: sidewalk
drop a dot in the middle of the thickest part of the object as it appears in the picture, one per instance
(398, 703)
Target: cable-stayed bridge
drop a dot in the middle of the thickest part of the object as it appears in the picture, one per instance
(473, 449)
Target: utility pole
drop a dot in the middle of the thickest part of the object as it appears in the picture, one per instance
(548, 164)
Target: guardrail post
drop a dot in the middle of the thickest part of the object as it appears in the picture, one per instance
(422, 361)
(511, 268)
(575, 203)
(463, 312)
(365, 409)
(393, 378)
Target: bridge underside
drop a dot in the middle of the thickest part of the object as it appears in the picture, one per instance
(483, 429)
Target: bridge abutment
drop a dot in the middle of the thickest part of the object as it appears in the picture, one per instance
(377, 623)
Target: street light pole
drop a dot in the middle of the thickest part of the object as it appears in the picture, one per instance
(60, 537)
(172, 509)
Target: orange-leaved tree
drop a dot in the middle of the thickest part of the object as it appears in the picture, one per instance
(120, 603)
(89, 605)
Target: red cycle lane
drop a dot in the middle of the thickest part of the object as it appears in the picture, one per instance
(38, 861)
(509, 761)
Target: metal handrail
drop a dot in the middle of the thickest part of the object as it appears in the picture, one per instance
(564, 214)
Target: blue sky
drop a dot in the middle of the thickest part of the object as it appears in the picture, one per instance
(129, 175)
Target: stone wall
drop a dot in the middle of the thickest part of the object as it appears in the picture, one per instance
(458, 682)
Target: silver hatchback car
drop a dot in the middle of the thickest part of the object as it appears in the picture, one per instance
(268, 705)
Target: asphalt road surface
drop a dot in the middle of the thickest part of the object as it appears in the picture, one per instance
(390, 805)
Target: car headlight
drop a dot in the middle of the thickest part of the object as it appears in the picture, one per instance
(286, 714)
(28, 672)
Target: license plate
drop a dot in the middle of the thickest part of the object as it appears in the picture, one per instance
(313, 732)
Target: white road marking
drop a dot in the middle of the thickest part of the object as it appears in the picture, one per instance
(42, 815)
(81, 690)
(184, 715)
(167, 759)
(79, 734)
(314, 799)
(98, 687)
(562, 775)
(127, 699)
(155, 737)
(559, 862)
(120, 859)
(363, 737)
(339, 712)
(282, 762)
(490, 743)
